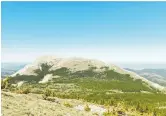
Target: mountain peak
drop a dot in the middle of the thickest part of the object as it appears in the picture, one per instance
(75, 64)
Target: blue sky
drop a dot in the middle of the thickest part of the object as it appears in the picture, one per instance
(109, 31)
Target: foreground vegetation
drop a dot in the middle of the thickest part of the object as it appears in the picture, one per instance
(107, 88)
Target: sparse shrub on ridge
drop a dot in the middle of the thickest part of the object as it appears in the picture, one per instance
(47, 92)
(67, 104)
(5, 83)
(23, 90)
(107, 113)
(52, 99)
(87, 108)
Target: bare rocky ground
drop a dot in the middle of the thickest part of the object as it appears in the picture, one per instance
(33, 105)
(14, 104)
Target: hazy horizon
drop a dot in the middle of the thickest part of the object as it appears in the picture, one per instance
(128, 32)
(138, 66)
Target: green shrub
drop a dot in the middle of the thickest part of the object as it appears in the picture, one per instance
(87, 108)
(23, 90)
(36, 91)
(50, 99)
(67, 104)
(47, 92)
(96, 114)
(5, 83)
(108, 114)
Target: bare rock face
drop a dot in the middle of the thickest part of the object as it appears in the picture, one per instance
(48, 77)
(76, 64)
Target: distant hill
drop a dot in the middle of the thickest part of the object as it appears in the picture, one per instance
(154, 75)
